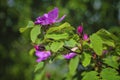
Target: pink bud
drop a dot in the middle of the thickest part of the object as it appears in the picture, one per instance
(36, 47)
(80, 30)
(39, 47)
(85, 37)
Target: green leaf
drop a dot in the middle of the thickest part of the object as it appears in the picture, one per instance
(76, 37)
(40, 75)
(97, 45)
(73, 65)
(57, 36)
(30, 25)
(55, 46)
(39, 66)
(109, 42)
(64, 27)
(109, 74)
(87, 59)
(92, 75)
(107, 37)
(23, 29)
(70, 43)
(59, 57)
(118, 50)
(32, 51)
(104, 34)
(34, 33)
(111, 61)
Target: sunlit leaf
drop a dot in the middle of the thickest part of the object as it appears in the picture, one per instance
(30, 25)
(31, 52)
(111, 61)
(73, 65)
(57, 36)
(39, 76)
(86, 60)
(55, 46)
(34, 33)
(22, 29)
(107, 37)
(92, 75)
(109, 42)
(97, 45)
(64, 27)
(104, 34)
(109, 74)
(70, 43)
(39, 66)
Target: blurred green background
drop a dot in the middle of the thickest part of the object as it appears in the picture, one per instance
(15, 61)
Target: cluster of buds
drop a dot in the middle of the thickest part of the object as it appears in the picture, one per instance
(81, 33)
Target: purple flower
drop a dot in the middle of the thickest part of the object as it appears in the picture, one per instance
(80, 30)
(42, 55)
(85, 37)
(49, 18)
(70, 55)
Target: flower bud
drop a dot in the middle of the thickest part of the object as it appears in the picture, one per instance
(85, 37)
(39, 47)
(80, 30)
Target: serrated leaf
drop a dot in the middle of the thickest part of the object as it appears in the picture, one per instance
(73, 65)
(111, 61)
(87, 59)
(55, 46)
(92, 75)
(30, 25)
(34, 33)
(57, 36)
(109, 74)
(39, 66)
(70, 43)
(97, 45)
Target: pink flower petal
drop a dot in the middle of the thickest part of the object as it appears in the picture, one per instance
(70, 55)
(53, 14)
